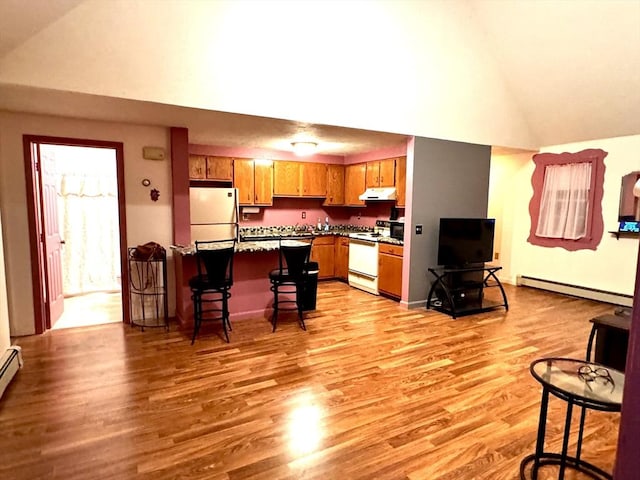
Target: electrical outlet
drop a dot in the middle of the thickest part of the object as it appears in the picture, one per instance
(304, 215)
(496, 256)
(418, 229)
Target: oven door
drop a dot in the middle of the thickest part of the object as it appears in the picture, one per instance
(363, 265)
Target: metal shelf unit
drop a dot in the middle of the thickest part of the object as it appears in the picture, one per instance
(148, 303)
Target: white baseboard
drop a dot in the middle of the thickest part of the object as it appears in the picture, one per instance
(576, 291)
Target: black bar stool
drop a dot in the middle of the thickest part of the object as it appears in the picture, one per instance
(290, 276)
(212, 284)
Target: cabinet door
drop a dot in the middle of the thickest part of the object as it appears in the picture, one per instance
(286, 178)
(341, 263)
(263, 175)
(243, 180)
(373, 174)
(197, 167)
(220, 168)
(314, 179)
(390, 274)
(322, 252)
(335, 185)
(387, 172)
(354, 180)
(401, 181)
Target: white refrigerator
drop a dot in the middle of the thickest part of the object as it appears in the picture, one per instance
(214, 213)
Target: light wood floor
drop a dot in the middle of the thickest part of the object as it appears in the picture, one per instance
(370, 391)
(91, 309)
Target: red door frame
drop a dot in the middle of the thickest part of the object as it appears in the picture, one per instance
(35, 217)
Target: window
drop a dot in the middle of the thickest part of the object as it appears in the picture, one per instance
(566, 207)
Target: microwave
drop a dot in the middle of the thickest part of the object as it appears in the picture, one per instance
(396, 230)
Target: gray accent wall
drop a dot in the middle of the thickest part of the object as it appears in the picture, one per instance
(450, 179)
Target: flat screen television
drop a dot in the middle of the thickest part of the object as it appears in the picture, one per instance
(465, 241)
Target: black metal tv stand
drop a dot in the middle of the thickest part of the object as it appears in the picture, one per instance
(461, 291)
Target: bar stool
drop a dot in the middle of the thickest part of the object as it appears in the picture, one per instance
(290, 277)
(212, 283)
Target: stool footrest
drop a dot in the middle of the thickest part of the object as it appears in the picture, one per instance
(556, 459)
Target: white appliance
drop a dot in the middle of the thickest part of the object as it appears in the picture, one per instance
(214, 213)
(363, 262)
(383, 193)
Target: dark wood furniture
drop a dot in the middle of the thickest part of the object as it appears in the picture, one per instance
(611, 334)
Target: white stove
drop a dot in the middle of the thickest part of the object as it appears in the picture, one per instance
(363, 261)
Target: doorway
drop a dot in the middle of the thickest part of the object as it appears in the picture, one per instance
(77, 225)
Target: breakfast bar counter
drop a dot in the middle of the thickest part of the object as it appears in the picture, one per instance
(250, 294)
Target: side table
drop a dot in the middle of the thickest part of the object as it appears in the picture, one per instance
(583, 384)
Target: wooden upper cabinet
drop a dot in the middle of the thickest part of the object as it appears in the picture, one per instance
(401, 181)
(313, 179)
(387, 172)
(197, 167)
(203, 167)
(354, 183)
(254, 181)
(296, 179)
(286, 178)
(381, 173)
(373, 174)
(335, 185)
(243, 180)
(263, 181)
(220, 168)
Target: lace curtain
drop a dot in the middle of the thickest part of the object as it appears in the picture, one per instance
(88, 213)
(565, 201)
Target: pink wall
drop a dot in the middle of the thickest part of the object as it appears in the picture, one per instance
(288, 211)
(389, 152)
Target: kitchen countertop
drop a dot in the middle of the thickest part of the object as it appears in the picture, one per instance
(264, 240)
(243, 246)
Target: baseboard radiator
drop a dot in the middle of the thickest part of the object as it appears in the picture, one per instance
(11, 363)
(577, 291)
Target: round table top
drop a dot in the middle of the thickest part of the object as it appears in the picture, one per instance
(590, 384)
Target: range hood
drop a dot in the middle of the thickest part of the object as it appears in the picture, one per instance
(385, 193)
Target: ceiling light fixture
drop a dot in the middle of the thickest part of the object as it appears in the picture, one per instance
(303, 149)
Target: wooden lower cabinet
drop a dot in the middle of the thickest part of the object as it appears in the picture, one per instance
(341, 263)
(322, 252)
(390, 269)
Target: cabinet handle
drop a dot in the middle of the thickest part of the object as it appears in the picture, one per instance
(381, 179)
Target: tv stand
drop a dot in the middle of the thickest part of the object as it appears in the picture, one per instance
(461, 291)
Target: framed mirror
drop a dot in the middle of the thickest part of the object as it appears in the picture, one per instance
(629, 210)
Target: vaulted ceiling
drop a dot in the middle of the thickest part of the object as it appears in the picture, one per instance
(513, 73)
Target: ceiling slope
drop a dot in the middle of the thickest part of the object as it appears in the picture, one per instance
(20, 21)
(574, 66)
(518, 73)
(416, 68)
